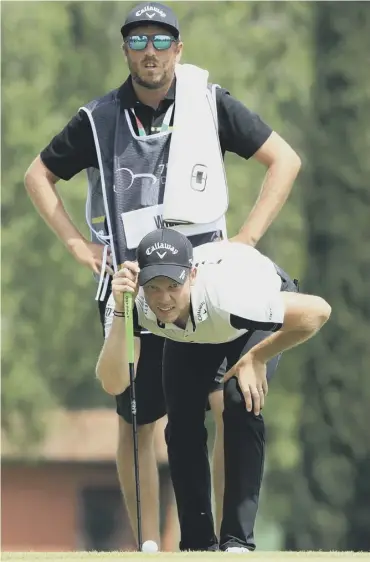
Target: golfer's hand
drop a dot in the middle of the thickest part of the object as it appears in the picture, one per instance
(251, 375)
(91, 255)
(125, 281)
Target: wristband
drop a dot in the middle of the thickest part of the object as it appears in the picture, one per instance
(118, 313)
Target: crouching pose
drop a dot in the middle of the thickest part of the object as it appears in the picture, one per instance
(222, 299)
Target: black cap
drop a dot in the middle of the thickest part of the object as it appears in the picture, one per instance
(164, 252)
(151, 12)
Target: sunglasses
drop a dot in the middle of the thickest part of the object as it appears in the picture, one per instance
(159, 42)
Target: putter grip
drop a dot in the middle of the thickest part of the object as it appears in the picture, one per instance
(129, 327)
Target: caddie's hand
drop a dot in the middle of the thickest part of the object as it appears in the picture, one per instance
(251, 375)
(125, 281)
(91, 255)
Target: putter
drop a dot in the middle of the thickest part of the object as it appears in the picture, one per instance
(131, 359)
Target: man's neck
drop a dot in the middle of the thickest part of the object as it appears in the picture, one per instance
(152, 98)
(182, 320)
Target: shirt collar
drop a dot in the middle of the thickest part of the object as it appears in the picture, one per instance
(128, 98)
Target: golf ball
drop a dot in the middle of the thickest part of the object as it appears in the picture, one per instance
(150, 546)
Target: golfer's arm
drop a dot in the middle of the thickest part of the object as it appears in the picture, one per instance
(112, 368)
(303, 318)
(40, 186)
(283, 165)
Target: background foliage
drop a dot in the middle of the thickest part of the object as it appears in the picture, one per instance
(304, 67)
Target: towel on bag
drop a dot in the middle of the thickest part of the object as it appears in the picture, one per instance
(196, 187)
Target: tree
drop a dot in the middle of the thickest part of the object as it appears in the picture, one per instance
(50, 336)
(331, 506)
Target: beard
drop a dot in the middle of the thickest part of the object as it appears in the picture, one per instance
(157, 81)
(153, 85)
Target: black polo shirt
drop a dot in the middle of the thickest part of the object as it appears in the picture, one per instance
(241, 131)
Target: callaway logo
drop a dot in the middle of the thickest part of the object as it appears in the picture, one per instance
(161, 256)
(152, 9)
(161, 246)
(202, 312)
(182, 275)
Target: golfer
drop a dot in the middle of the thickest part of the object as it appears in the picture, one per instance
(237, 304)
(123, 140)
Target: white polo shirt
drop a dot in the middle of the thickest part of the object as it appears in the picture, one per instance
(237, 289)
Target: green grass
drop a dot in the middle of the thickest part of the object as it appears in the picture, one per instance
(186, 557)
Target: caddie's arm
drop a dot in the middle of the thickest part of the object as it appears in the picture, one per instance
(283, 165)
(40, 184)
(112, 368)
(41, 187)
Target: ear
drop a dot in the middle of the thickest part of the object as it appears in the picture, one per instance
(179, 51)
(193, 275)
(124, 50)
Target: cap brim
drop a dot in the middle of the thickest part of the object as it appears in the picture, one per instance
(174, 272)
(125, 29)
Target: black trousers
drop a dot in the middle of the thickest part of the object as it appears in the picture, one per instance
(188, 370)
